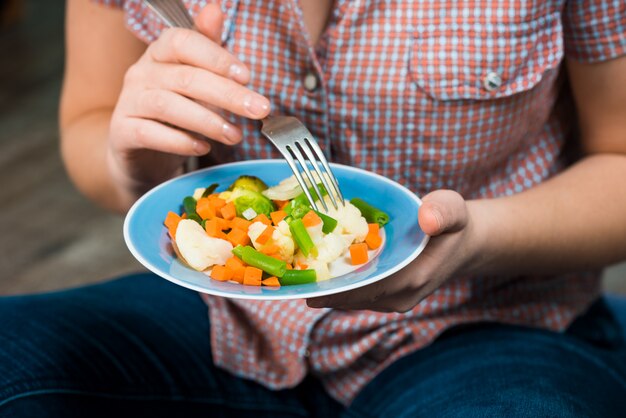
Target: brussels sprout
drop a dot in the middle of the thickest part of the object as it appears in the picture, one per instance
(244, 199)
(252, 183)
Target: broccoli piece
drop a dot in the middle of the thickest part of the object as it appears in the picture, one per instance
(251, 183)
(244, 199)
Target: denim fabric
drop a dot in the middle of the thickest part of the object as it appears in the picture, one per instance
(139, 346)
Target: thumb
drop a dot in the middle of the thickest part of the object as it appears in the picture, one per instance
(210, 21)
(442, 211)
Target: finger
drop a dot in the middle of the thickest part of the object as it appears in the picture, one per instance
(210, 88)
(153, 135)
(373, 296)
(187, 46)
(167, 106)
(210, 21)
(442, 211)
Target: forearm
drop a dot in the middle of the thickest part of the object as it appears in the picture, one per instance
(84, 149)
(576, 220)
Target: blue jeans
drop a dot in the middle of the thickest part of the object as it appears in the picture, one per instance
(139, 346)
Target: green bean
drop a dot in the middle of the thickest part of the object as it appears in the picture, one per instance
(298, 277)
(302, 238)
(329, 223)
(253, 258)
(370, 213)
(209, 190)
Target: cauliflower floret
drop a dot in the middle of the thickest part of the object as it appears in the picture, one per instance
(285, 244)
(321, 268)
(198, 249)
(331, 247)
(315, 232)
(254, 230)
(349, 220)
(197, 193)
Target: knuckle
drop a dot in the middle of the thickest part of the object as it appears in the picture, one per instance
(404, 306)
(179, 38)
(155, 103)
(140, 135)
(221, 63)
(134, 74)
(184, 77)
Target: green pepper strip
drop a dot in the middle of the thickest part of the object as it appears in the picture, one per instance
(261, 261)
(370, 213)
(189, 205)
(302, 238)
(298, 277)
(329, 223)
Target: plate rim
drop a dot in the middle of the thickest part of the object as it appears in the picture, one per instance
(325, 292)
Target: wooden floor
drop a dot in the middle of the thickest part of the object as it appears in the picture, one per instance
(50, 236)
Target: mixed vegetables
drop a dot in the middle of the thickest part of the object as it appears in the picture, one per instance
(259, 235)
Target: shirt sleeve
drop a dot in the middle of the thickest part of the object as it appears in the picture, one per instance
(594, 30)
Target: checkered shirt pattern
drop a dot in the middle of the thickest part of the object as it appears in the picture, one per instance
(449, 94)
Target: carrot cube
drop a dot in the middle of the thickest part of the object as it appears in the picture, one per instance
(373, 241)
(358, 253)
(234, 263)
(311, 219)
(280, 204)
(238, 267)
(373, 229)
(221, 273)
(278, 216)
(223, 224)
(269, 249)
(238, 237)
(204, 208)
(263, 219)
(228, 211)
(217, 202)
(252, 276)
(265, 235)
(271, 281)
(171, 223)
(240, 223)
(213, 228)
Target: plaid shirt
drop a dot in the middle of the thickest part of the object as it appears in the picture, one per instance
(465, 95)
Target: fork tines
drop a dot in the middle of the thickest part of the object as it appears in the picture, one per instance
(172, 12)
(296, 143)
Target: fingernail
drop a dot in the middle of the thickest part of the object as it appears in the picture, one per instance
(256, 106)
(238, 73)
(437, 214)
(231, 133)
(201, 147)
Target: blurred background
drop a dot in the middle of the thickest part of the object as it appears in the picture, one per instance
(50, 236)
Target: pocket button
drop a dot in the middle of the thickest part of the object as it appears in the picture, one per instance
(492, 81)
(310, 82)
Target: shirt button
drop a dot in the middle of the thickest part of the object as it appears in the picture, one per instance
(492, 81)
(310, 81)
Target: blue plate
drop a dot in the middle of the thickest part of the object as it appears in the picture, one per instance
(149, 242)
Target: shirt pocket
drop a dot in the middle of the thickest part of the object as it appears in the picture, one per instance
(480, 61)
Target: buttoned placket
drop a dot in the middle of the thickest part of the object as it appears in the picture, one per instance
(312, 78)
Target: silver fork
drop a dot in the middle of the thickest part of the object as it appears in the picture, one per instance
(172, 12)
(296, 143)
(287, 133)
(175, 15)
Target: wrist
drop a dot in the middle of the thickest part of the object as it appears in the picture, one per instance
(478, 260)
